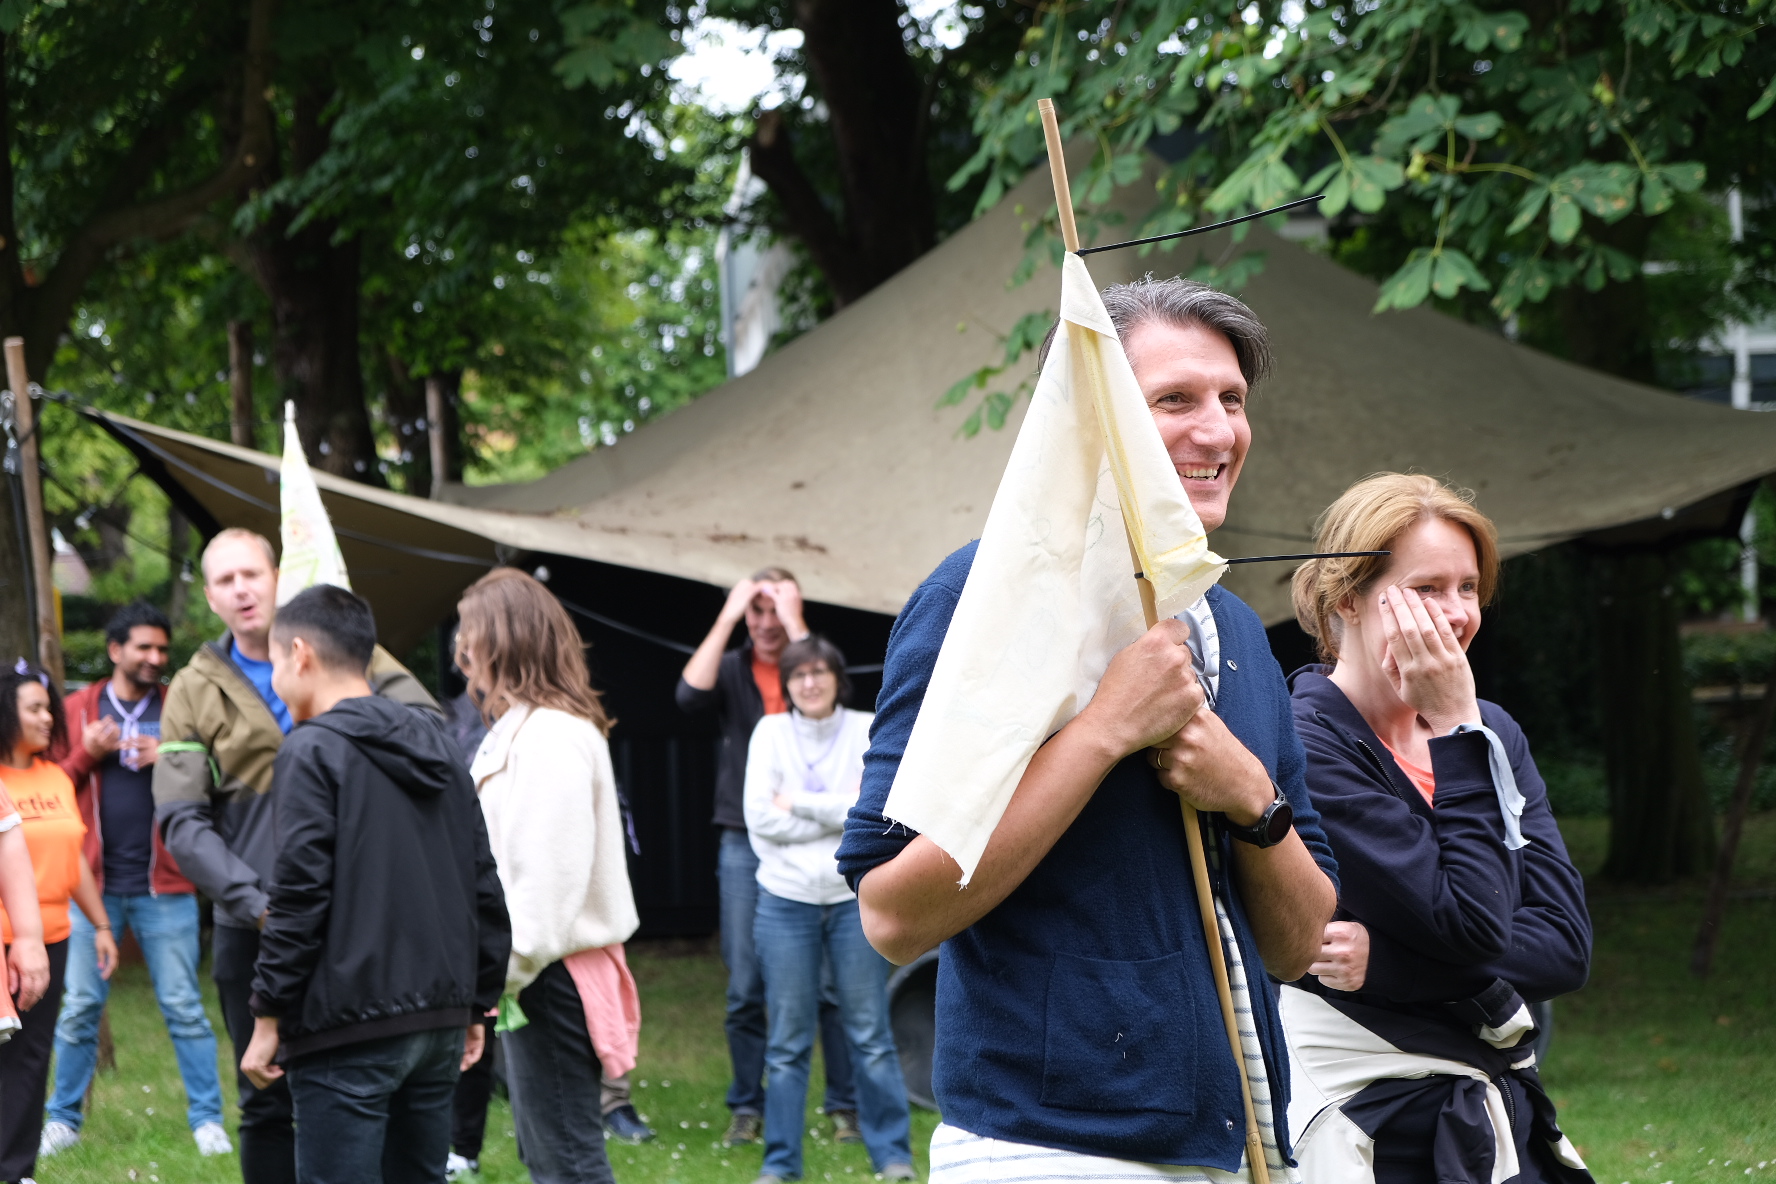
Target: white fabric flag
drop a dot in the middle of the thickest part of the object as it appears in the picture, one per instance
(1051, 597)
(310, 550)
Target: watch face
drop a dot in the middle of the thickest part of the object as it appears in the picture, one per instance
(1281, 819)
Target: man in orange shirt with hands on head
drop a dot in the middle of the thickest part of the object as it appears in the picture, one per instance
(741, 686)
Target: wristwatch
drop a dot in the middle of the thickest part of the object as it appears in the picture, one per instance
(1272, 827)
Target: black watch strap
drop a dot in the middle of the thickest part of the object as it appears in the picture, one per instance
(1272, 827)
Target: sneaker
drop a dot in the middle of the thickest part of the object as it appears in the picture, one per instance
(899, 1171)
(768, 1178)
(746, 1128)
(57, 1137)
(845, 1128)
(457, 1166)
(211, 1139)
(625, 1125)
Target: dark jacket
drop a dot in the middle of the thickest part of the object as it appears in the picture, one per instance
(1081, 1012)
(82, 708)
(386, 910)
(738, 707)
(213, 780)
(1450, 911)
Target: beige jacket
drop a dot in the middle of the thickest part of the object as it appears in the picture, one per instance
(550, 799)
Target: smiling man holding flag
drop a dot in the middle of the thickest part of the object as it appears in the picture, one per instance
(1032, 744)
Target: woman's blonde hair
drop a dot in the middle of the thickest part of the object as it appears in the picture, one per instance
(524, 649)
(1370, 516)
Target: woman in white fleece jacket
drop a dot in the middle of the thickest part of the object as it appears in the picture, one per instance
(550, 799)
(803, 771)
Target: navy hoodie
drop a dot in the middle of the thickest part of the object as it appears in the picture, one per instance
(1080, 1013)
(1450, 911)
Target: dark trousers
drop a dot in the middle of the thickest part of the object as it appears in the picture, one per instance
(474, 1090)
(376, 1112)
(267, 1124)
(737, 877)
(24, 1074)
(553, 1073)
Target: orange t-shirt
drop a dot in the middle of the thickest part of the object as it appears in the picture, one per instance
(53, 832)
(1423, 779)
(770, 685)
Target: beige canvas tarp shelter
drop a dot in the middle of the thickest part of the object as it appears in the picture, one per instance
(831, 457)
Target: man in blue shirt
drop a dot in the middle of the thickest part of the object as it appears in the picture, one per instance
(1078, 1029)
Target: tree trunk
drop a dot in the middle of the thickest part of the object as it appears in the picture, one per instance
(243, 419)
(313, 282)
(1661, 821)
(313, 286)
(856, 54)
(178, 551)
(18, 624)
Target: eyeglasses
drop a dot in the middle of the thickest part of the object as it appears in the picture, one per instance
(811, 674)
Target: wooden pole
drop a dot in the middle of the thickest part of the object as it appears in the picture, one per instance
(49, 637)
(1259, 1167)
(440, 447)
(1756, 734)
(242, 421)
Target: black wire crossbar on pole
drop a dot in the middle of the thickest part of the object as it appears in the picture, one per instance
(1160, 238)
(1321, 555)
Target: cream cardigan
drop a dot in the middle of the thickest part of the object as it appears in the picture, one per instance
(550, 799)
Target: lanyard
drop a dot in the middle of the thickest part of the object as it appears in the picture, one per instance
(127, 722)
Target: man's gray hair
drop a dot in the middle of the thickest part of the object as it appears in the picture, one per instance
(1186, 304)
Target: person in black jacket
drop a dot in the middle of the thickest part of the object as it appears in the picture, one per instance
(741, 686)
(1410, 1038)
(386, 938)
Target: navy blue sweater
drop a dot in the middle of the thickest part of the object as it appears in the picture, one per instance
(1081, 1013)
(1449, 909)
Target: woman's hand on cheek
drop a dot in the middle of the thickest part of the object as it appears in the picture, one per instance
(1426, 662)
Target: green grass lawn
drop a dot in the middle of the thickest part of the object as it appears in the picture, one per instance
(1658, 1076)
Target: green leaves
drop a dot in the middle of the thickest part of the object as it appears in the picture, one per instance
(1605, 191)
(1364, 183)
(1444, 271)
(1428, 119)
(1262, 180)
(1025, 336)
(1475, 30)
(1763, 103)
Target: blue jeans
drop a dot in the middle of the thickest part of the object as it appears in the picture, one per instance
(793, 939)
(377, 1112)
(738, 877)
(166, 929)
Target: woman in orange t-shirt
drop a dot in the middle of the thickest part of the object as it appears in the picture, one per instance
(42, 798)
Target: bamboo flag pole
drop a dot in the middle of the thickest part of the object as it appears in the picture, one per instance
(1259, 1167)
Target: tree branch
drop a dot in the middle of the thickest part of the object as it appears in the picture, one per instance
(164, 216)
(774, 163)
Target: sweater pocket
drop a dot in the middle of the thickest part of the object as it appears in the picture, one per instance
(1120, 1036)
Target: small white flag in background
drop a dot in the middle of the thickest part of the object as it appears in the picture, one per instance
(310, 552)
(1051, 597)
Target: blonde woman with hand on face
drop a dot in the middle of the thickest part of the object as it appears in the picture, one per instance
(1410, 1037)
